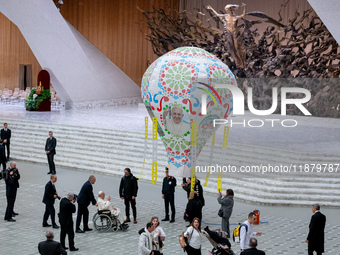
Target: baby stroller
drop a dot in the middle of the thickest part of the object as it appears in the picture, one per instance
(219, 240)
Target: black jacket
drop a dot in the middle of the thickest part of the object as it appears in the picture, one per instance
(128, 186)
(50, 145)
(2, 154)
(12, 184)
(169, 185)
(194, 208)
(66, 208)
(316, 235)
(253, 251)
(49, 193)
(85, 195)
(6, 135)
(198, 188)
(50, 247)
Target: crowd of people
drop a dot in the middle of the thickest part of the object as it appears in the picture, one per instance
(152, 237)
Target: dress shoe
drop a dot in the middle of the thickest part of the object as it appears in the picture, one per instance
(165, 219)
(65, 248)
(11, 220)
(135, 221)
(14, 213)
(74, 249)
(46, 225)
(55, 226)
(127, 220)
(80, 231)
(87, 229)
(172, 221)
(49, 172)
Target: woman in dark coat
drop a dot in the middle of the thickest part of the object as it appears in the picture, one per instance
(194, 207)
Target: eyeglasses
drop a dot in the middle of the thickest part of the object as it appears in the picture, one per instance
(154, 217)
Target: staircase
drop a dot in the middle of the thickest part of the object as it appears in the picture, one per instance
(110, 151)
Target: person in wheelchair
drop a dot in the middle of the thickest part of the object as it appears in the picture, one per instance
(105, 204)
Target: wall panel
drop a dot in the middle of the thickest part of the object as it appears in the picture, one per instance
(111, 26)
(13, 52)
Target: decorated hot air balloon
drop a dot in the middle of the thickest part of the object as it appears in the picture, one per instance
(173, 89)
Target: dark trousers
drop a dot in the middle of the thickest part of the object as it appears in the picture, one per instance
(311, 251)
(10, 206)
(3, 163)
(82, 212)
(49, 210)
(169, 199)
(192, 251)
(7, 146)
(127, 202)
(51, 165)
(67, 230)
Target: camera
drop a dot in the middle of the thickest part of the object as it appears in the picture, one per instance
(75, 196)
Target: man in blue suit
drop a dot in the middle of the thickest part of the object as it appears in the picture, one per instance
(50, 195)
(85, 196)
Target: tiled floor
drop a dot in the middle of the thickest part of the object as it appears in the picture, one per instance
(284, 228)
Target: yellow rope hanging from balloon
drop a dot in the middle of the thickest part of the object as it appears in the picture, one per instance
(154, 150)
(224, 146)
(208, 173)
(145, 143)
(193, 153)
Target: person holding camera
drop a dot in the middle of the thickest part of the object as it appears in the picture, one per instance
(50, 195)
(66, 209)
(12, 184)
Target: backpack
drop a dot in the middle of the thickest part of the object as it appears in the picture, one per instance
(237, 231)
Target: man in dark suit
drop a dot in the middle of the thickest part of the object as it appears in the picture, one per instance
(6, 138)
(50, 195)
(66, 209)
(50, 247)
(168, 194)
(128, 191)
(3, 159)
(85, 196)
(12, 184)
(316, 235)
(252, 250)
(50, 145)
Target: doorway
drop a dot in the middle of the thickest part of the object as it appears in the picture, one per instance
(25, 76)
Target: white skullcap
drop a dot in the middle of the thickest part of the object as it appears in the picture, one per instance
(100, 192)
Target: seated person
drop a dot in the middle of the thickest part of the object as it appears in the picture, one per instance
(105, 204)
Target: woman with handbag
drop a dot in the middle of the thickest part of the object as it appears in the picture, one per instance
(227, 205)
(194, 236)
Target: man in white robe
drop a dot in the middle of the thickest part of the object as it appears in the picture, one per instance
(105, 204)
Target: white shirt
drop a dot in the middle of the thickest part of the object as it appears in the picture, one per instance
(195, 238)
(160, 229)
(245, 235)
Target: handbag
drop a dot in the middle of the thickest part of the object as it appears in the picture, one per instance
(183, 241)
(220, 212)
(186, 216)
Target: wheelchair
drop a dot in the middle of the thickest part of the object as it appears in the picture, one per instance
(104, 221)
